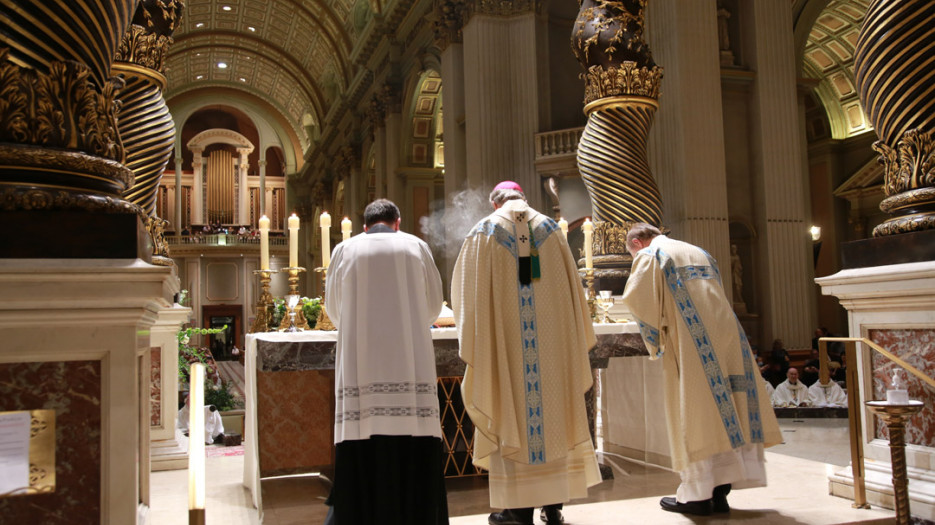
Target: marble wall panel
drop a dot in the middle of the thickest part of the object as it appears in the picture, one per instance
(155, 387)
(295, 419)
(73, 390)
(917, 347)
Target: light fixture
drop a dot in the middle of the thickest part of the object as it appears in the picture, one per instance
(200, 25)
(199, 77)
(222, 65)
(242, 79)
(252, 29)
(816, 233)
(226, 8)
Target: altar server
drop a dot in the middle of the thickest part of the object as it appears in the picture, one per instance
(525, 331)
(829, 394)
(718, 413)
(383, 292)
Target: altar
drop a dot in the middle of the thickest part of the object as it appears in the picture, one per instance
(289, 416)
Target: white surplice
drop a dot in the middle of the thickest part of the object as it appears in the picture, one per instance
(829, 395)
(383, 292)
(789, 395)
(526, 348)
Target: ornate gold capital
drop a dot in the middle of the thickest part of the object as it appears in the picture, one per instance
(503, 7)
(143, 48)
(449, 20)
(627, 79)
(910, 165)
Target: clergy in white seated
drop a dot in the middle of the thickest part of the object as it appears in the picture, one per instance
(829, 394)
(791, 392)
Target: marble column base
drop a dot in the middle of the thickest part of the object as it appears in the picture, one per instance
(878, 478)
(169, 454)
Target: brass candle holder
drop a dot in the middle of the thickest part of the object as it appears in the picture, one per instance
(592, 297)
(264, 303)
(324, 322)
(296, 322)
(895, 416)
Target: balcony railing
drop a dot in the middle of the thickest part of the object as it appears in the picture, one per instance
(224, 239)
(558, 143)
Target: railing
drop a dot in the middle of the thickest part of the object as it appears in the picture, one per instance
(223, 239)
(853, 414)
(555, 143)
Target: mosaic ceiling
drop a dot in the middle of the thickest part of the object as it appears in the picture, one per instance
(292, 54)
(829, 57)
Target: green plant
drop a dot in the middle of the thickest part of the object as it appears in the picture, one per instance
(311, 307)
(189, 354)
(223, 397)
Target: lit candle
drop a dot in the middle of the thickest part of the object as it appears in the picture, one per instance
(563, 225)
(293, 241)
(588, 229)
(264, 243)
(325, 222)
(196, 440)
(346, 229)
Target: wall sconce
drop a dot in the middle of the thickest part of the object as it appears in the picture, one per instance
(815, 231)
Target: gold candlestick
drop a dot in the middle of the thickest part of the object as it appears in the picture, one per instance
(592, 298)
(324, 322)
(300, 322)
(895, 417)
(264, 303)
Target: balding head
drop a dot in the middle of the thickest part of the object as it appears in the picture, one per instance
(793, 376)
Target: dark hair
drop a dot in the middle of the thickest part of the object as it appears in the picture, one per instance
(642, 231)
(380, 210)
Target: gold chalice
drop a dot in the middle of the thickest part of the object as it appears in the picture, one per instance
(606, 301)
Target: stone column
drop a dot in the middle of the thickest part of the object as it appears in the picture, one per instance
(449, 39)
(243, 193)
(686, 148)
(501, 96)
(392, 103)
(377, 116)
(179, 196)
(145, 124)
(262, 190)
(169, 451)
(198, 186)
(785, 250)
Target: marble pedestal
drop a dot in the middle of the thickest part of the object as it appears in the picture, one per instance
(75, 338)
(168, 447)
(894, 306)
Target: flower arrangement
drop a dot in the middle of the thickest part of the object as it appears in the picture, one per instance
(191, 354)
(311, 307)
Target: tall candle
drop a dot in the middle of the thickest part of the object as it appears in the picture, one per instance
(196, 440)
(264, 243)
(325, 222)
(293, 241)
(588, 229)
(346, 229)
(563, 224)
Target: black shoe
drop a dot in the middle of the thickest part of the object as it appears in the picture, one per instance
(551, 514)
(698, 508)
(509, 517)
(719, 499)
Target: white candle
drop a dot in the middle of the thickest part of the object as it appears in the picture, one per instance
(264, 243)
(588, 228)
(325, 222)
(293, 241)
(346, 229)
(563, 224)
(196, 440)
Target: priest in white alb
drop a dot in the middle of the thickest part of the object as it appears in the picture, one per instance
(718, 413)
(791, 393)
(383, 292)
(525, 331)
(828, 394)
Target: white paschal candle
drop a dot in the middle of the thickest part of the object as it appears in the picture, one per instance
(264, 243)
(346, 229)
(563, 225)
(325, 222)
(588, 228)
(196, 440)
(293, 241)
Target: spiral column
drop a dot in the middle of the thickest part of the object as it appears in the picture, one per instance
(145, 123)
(893, 60)
(622, 85)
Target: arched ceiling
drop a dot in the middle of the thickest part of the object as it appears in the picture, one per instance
(829, 58)
(292, 54)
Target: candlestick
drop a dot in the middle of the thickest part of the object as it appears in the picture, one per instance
(563, 225)
(263, 304)
(264, 243)
(588, 228)
(346, 229)
(325, 222)
(324, 322)
(196, 441)
(293, 240)
(297, 323)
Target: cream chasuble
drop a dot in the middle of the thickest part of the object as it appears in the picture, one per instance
(715, 399)
(526, 349)
(383, 293)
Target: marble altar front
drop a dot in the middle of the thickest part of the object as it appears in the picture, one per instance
(289, 379)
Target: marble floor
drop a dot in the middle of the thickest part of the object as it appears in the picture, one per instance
(797, 492)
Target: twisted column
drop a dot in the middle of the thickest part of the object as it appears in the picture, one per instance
(145, 123)
(892, 64)
(621, 90)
